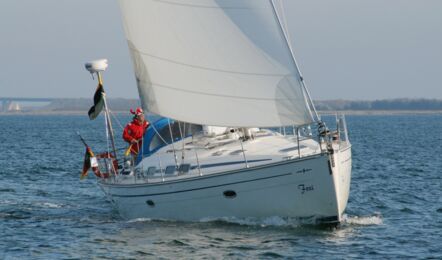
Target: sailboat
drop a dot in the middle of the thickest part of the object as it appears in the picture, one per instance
(238, 134)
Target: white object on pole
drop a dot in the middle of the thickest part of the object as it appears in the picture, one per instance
(96, 66)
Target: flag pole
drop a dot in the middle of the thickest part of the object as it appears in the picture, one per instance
(96, 67)
(108, 119)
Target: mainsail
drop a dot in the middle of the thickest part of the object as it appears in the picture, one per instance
(214, 62)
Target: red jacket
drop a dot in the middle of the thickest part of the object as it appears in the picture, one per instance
(134, 131)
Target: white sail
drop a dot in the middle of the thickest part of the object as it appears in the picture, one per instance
(214, 62)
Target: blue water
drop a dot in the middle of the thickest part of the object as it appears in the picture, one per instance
(46, 212)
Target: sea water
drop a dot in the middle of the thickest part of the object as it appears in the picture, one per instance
(46, 212)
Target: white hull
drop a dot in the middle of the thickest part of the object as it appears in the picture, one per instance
(297, 188)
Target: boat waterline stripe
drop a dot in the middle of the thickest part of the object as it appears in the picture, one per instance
(203, 188)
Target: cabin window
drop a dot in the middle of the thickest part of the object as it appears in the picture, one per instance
(150, 203)
(170, 170)
(151, 171)
(184, 168)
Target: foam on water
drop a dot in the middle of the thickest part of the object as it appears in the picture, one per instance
(277, 221)
(363, 220)
(135, 220)
(49, 205)
(274, 221)
(8, 202)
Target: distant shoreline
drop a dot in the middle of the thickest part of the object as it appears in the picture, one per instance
(79, 106)
(380, 112)
(345, 112)
(55, 113)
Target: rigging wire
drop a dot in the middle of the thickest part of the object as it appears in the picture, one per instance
(107, 132)
(173, 146)
(182, 138)
(116, 119)
(284, 20)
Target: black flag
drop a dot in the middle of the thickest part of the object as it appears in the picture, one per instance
(95, 110)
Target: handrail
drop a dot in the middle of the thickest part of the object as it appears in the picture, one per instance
(243, 153)
(298, 137)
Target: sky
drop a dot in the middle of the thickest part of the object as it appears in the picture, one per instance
(346, 49)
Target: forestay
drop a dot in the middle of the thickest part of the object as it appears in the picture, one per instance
(214, 62)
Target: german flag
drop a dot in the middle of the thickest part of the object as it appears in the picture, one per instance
(87, 162)
(95, 110)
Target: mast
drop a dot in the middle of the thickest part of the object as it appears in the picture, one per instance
(301, 78)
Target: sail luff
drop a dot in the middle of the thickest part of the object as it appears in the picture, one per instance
(285, 33)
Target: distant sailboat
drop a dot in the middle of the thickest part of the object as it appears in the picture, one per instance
(236, 139)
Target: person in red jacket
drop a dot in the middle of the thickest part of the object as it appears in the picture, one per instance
(134, 131)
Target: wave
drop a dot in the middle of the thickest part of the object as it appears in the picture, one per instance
(8, 202)
(363, 220)
(135, 220)
(275, 221)
(7, 190)
(49, 205)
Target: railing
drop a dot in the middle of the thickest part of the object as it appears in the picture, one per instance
(168, 165)
(341, 131)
